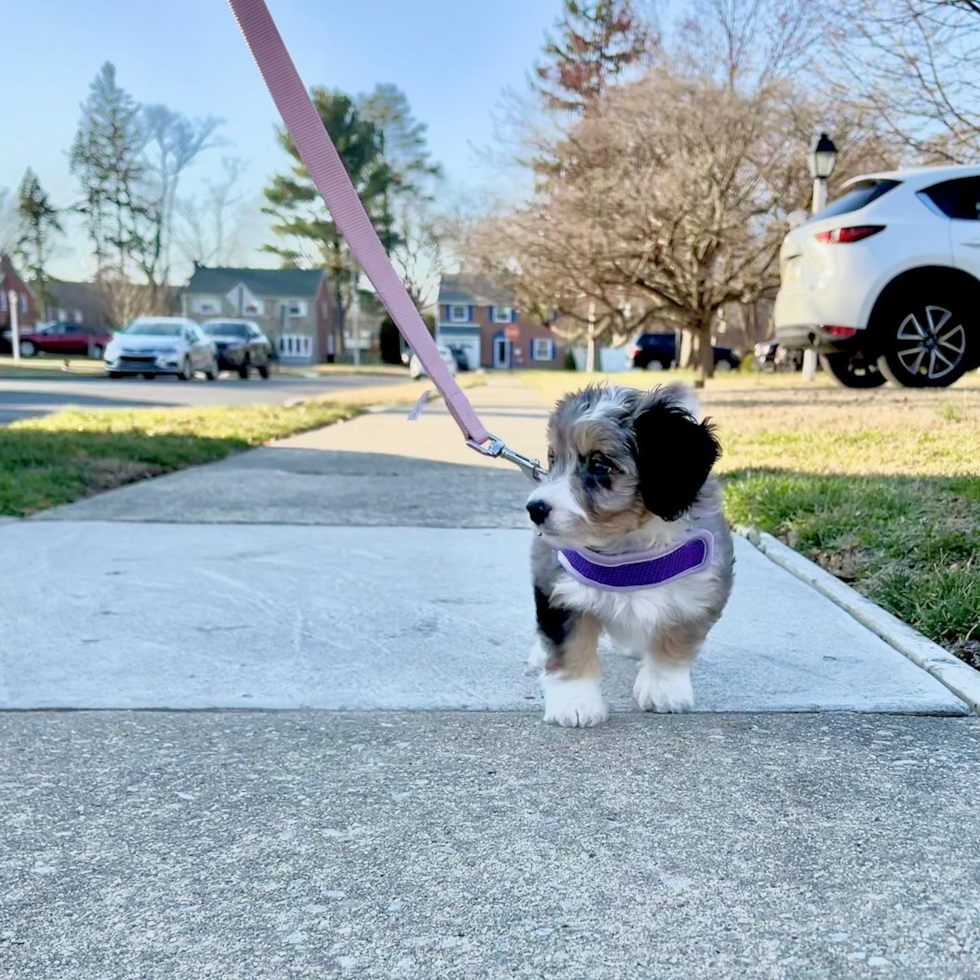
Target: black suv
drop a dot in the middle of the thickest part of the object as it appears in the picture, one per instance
(661, 348)
(241, 346)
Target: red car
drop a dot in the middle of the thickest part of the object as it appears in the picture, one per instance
(62, 338)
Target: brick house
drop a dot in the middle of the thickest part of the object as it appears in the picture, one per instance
(11, 281)
(78, 302)
(292, 306)
(481, 319)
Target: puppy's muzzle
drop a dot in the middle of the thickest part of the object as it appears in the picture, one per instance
(539, 511)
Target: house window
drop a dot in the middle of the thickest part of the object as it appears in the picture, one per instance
(254, 307)
(62, 314)
(79, 318)
(3, 300)
(503, 314)
(296, 307)
(542, 349)
(206, 305)
(295, 345)
(459, 314)
(23, 303)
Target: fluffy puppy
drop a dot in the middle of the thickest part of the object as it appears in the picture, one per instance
(628, 473)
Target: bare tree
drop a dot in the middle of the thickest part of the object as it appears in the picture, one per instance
(912, 63)
(747, 44)
(125, 300)
(664, 208)
(173, 142)
(9, 221)
(208, 230)
(665, 203)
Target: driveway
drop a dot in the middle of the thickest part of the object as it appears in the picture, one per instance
(23, 397)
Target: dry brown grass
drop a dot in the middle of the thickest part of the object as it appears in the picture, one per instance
(778, 420)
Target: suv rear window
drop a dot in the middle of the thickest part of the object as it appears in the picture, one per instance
(858, 196)
(957, 198)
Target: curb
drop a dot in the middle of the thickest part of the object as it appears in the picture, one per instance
(951, 672)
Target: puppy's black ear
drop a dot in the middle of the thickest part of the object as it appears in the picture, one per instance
(674, 457)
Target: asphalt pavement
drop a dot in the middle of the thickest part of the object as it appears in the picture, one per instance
(24, 397)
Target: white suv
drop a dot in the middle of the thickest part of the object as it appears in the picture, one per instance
(885, 281)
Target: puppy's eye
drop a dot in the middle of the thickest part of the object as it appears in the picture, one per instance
(599, 467)
(551, 458)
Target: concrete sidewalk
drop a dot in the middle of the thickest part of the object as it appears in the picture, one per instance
(804, 824)
(257, 846)
(411, 592)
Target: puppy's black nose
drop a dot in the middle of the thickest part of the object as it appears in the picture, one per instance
(539, 511)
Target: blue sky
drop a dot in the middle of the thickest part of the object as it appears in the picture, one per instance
(452, 58)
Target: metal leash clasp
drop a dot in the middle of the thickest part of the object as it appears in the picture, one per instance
(498, 449)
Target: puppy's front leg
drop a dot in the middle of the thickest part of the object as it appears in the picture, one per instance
(570, 678)
(663, 682)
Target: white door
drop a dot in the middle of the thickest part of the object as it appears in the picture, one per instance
(501, 352)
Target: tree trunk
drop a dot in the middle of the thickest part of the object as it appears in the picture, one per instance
(705, 354)
(341, 321)
(590, 364)
(686, 351)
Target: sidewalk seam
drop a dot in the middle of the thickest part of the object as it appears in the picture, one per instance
(953, 673)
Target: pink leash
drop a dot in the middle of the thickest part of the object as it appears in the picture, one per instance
(326, 169)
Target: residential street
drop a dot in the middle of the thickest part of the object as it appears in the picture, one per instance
(24, 397)
(406, 812)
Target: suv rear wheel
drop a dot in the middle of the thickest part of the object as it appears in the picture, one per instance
(852, 370)
(925, 344)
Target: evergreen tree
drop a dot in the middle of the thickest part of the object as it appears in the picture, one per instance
(406, 226)
(39, 225)
(595, 42)
(107, 159)
(303, 223)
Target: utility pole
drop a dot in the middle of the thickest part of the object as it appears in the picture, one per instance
(356, 321)
(13, 298)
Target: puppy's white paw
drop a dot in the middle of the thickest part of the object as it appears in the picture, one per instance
(573, 703)
(664, 690)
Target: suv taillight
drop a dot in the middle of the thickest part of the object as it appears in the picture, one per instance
(842, 235)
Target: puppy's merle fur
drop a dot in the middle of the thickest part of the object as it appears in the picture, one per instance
(628, 471)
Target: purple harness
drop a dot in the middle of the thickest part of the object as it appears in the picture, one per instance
(638, 570)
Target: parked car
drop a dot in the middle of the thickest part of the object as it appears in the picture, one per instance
(461, 357)
(61, 338)
(770, 355)
(241, 346)
(153, 345)
(659, 351)
(416, 370)
(885, 281)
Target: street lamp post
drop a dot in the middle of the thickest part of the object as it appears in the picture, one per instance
(821, 160)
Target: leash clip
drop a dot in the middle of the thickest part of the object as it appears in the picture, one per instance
(498, 449)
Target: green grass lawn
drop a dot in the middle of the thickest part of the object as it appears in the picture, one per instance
(45, 365)
(72, 454)
(882, 487)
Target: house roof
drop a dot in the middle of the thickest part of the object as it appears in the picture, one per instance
(74, 293)
(259, 282)
(473, 290)
(7, 268)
